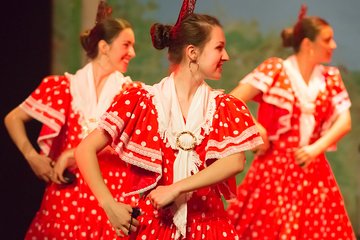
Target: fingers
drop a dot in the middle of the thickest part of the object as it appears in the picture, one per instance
(56, 178)
(152, 200)
(61, 178)
(119, 232)
(302, 158)
(131, 229)
(127, 228)
(45, 177)
(57, 175)
(134, 224)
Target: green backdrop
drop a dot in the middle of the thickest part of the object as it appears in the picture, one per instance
(247, 47)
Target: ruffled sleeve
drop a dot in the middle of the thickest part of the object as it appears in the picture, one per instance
(233, 131)
(339, 96)
(262, 77)
(48, 104)
(131, 122)
(276, 99)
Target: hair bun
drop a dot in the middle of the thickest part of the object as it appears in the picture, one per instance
(160, 35)
(287, 36)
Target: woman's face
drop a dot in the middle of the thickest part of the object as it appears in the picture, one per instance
(213, 55)
(324, 45)
(121, 50)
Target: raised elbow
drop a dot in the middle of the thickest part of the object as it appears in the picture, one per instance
(239, 164)
(347, 125)
(8, 119)
(240, 168)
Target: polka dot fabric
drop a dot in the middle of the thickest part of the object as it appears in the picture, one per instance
(131, 121)
(92, 220)
(64, 207)
(134, 113)
(280, 200)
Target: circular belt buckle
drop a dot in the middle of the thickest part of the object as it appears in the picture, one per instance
(186, 140)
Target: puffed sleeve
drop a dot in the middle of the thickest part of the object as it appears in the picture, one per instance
(48, 103)
(276, 100)
(131, 121)
(233, 131)
(339, 96)
(262, 77)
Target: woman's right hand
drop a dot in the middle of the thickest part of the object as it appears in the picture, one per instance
(119, 215)
(41, 165)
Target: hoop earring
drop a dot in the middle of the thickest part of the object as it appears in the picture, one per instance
(190, 68)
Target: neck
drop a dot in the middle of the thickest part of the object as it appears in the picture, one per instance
(100, 71)
(185, 83)
(100, 75)
(306, 66)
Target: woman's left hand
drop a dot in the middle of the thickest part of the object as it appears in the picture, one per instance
(65, 160)
(305, 155)
(163, 196)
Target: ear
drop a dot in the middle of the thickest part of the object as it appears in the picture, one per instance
(306, 44)
(192, 52)
(103, 47)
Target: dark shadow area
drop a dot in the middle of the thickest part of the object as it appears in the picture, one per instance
(26, 59)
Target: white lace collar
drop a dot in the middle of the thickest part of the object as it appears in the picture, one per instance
(306, 93)
(183, 136)
(84, 100)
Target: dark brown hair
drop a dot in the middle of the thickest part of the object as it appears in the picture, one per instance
(307, 27)
(193, 30)
(107, 30)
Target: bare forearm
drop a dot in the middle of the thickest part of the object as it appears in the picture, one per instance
(339, 129)
(15, 125)
(220, 170)
(87, 161)
(245, 92)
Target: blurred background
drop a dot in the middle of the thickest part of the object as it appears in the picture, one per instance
(41, 37)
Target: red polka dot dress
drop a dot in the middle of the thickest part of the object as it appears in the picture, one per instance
(63, 206)
(136, 128)
(278, 199)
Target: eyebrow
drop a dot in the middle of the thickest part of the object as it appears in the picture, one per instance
(127, 41)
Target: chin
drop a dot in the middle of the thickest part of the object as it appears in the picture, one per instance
(122, 69)
(327, 60)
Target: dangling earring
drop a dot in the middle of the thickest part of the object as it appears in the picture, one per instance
(193, 62)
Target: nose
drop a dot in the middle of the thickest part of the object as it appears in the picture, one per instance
(225, 56)
(333, 44)
(132, 52)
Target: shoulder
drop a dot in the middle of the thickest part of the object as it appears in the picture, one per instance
(56, 80)
(272, 63)
(333, 77)
(134, 97)
(229, 106)
(134, 92)
(332, 73)
(331, 70)
(52, 85)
